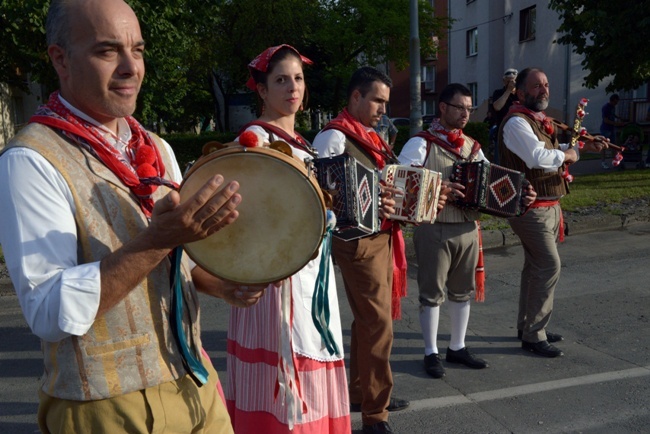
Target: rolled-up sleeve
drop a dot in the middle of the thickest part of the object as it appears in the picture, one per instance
(519, 137)
(58, 296)
(414, 152)
(329, 143)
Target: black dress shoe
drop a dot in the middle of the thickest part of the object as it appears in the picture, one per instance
(550, 337)
(465, 357)
(433, 366)
(542, 348)
(377, 428)
(397, 404)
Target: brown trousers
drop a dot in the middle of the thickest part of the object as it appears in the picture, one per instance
(538, 231)
(174, 407)
(367, 268)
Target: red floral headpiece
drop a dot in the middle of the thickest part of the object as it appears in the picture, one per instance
(261, 62)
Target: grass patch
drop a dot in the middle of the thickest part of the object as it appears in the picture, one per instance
(607, 188)
(602, 190)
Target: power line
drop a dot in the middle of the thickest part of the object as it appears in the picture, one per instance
(504, 18)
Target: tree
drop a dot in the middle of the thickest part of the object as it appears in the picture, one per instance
(338, 35)
(197, 51)
(612, 36)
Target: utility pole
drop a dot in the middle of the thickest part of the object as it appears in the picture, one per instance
(414, 56)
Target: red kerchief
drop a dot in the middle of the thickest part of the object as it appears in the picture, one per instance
(261, 62)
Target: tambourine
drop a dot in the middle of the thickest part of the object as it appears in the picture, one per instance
(282, 215)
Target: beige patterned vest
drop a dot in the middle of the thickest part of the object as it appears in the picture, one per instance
(130, 347)
(440, 160)
(546, 184)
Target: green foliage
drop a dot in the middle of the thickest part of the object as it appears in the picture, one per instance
(607, 188)
(612, 36)
(22, 44)
(479, 131)
(197, 51)
(187, 147)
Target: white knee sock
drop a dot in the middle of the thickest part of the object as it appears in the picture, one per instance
(459, 316)
(429, 318)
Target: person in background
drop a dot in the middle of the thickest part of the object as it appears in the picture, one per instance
(373, 267)
(386, 130)
(89, 216)
(528, 143)
(609, 124)
(502, 99)
(317, 398)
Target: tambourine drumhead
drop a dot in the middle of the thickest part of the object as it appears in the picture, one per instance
(281, 216)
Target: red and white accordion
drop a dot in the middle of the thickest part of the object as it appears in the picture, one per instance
(354, 189)
(421, 191)
(489, 188)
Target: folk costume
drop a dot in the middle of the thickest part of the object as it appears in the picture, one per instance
(275, 333)
(374, 274)
(448, 251)
(528, 143)
(72, 193)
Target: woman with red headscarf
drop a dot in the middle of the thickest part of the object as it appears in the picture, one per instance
(282, 377)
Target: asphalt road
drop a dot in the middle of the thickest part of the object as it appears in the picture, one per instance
(601, 385)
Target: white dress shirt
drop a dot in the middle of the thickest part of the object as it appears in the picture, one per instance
(58, 296)
(519, 137)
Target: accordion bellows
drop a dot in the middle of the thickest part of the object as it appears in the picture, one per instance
(489, 188)
(354, 189)
(421, 190)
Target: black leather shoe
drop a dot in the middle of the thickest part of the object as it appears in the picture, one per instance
(465, 357)
(433, 366)
(377, 428)
(542, 348)
(397, 404)
(550, 337)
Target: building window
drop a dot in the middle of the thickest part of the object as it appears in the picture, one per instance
(428, 108)
(472, 42)
(527, 19)
(429, 78)
(473, 87)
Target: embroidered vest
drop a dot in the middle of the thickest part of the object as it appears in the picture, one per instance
(546, 184)
(439, 160)
(131, 346)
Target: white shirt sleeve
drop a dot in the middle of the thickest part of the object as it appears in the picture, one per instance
(175, 171)
(58, 296)
(414, 152)
(329, 143)
(522, 141)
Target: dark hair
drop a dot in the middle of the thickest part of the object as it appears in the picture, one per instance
(520, 82)
(364, 77)
(614, 97)
(57, 24)
(451, 90)
(278, 56)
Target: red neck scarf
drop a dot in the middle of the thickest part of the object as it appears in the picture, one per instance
(368, 140)
(454, 137)
(539, 117)
(440, 136)
(142, 173)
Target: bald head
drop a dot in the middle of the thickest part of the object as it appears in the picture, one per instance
(62, 14)
(97, 50)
